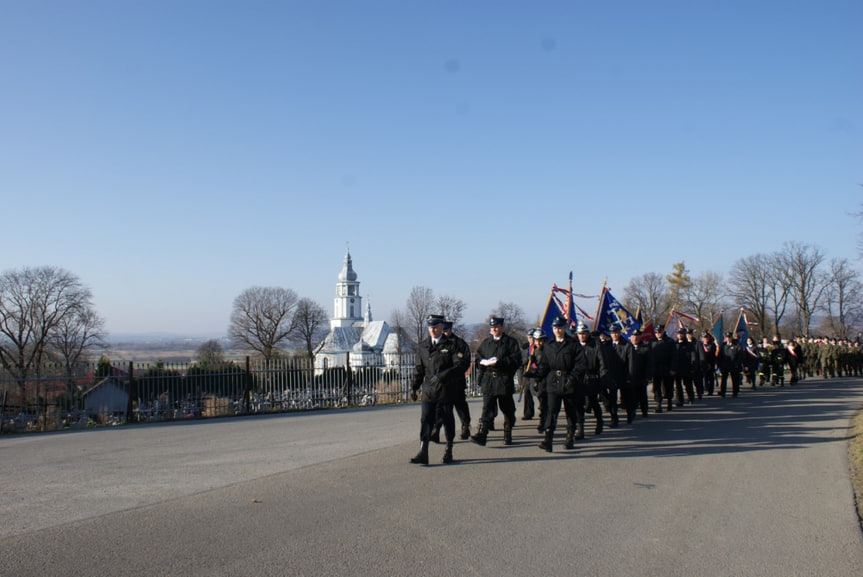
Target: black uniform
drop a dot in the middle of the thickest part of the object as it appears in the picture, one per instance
(730, 361)
(561, 366)
(706, 366)
(661, 354)
(682, 364)
(618, 357)
(436, 371)
(459, 397)
(595, 372)
(638, 370)
(497, 383)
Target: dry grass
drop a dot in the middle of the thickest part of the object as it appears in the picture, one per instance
(855, 455)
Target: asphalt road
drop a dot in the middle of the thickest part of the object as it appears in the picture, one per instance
(756, 485)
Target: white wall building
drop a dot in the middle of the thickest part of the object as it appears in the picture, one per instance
(354, 335)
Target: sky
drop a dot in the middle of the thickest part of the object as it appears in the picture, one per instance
(173, 153)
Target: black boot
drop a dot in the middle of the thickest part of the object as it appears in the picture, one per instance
(570, 433)
(447, 454)
(465, 430)
(435, 434)
(545, 444)
(507, 433)
(599, 426)
(422, 458)
(579, 429)
(481, 434)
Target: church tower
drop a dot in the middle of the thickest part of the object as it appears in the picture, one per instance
(348, 305)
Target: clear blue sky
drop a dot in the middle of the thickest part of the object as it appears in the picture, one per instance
(174, 153)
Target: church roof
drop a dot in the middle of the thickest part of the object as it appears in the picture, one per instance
(347, 274)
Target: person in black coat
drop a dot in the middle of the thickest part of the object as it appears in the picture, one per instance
(730, 363)
(619, 351)
(638, 371)
(537, 342)
(661, 354)
(707, 351)
(438, 364)
(498, 358)
(561, 366)
(596, 371)
(682, 364)
(459, 397)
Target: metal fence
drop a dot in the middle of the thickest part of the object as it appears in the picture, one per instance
(55, 397)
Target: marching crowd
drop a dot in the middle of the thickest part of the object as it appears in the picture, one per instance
(599, 374)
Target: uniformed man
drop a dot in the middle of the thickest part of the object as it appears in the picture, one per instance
(498, 358)
(619, 353)
(459, 397)
(661, 353)
(595, 372)
(706, 363)
(682, 362)
(438, 364)
(730, 363)
(561, 366)
(638, 365)
(538, 340)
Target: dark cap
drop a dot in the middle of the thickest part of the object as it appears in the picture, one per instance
(681, 331)
(447, 325)
(729, 335)
(659, 329)
(434, 320)
(558, 322)
(615, 328)
(495, 322)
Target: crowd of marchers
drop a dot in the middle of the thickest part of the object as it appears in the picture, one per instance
(606, 375)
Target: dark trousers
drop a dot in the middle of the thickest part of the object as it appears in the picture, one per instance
(431, 411)
(528, 409)
(641, 397)
(663, 388)
(707, 378)
(490, 404)
(735, 382)
(569, 405)
(682, 382)
(629, 401)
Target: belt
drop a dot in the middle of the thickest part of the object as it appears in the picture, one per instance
(559, 373)
(497, 374)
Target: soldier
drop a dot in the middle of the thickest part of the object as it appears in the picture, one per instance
(539, 339)
(730, 361)
(498, 358)
(682, 362)
(638, 367)
(595, 372)
(706, 351)
(661, 353)
(459, 398)
(561, 366)
(438, 364)
(619, 357)
(795, 360)
(528, 408)
(763, 351)
(697, 383)
(777, 362)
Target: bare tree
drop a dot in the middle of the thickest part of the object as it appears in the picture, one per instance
(309, 325)
(514, 320)
(801, 265)
(777, 291)
(843, 299)
(750, 283)
(75, 337)
(419, 306)
(452, 309)
(211, 353)
(261, 319)
(34, 303)
(703, 296)
(650, 293)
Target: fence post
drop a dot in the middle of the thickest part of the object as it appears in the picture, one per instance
(247, 393)
(133, 393)
(349, 379)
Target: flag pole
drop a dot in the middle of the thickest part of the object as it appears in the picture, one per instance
(599, 304)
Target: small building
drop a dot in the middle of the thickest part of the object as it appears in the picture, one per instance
(107, 397)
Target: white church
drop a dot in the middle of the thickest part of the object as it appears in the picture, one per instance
(354, 336)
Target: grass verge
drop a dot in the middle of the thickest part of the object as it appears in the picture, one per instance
(855, 456)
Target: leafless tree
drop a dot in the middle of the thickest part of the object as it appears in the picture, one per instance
(703, 296)
(843, 299)
(309, 325)
(801, 265)
(452, 309)
(211, 353)
(75, 337)
(34, 303)
(650, 293)
(751, 283)
(261, 319)
(420, 304)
